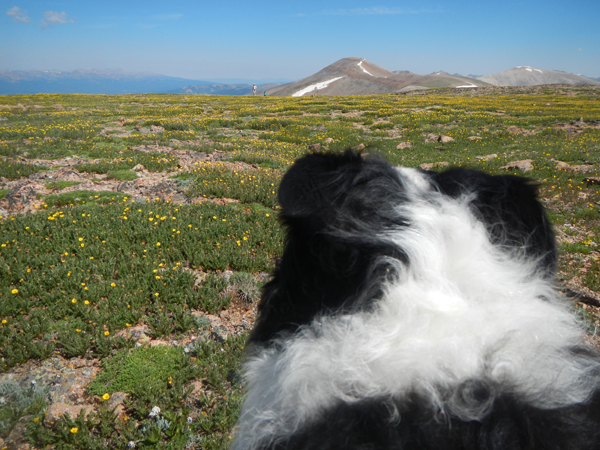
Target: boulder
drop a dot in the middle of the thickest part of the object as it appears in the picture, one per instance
(57, 410)
(523, 165)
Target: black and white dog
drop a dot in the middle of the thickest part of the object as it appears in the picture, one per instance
(415, 310)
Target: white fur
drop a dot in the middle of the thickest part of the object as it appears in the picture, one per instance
(461, 309)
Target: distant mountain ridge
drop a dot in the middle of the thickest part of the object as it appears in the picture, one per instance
(353, 76)
(224, 89)
(347, 76)
(92, 81)
(530, 76)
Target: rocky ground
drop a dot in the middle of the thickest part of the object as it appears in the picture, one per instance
(67, 379)
(25, 193)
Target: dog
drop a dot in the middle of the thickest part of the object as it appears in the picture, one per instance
(415, 310)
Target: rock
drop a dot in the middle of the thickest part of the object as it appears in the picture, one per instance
(156, 129)
(475, 138)
(142, 130)
(430, 137)
(592, 180)
(66, 174)
(582, 168)
(524, 165)
(20, 197)
(429, 166)
(136, 332)
(486, 157)
(115, 402)
(314, 147)
(138, 168)
(403, 145)
(516, 130)
(358, 147)
(17, 438)
(58, 409)
(328, 140)
(444, 139)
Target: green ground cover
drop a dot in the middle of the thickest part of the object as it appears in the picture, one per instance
(90, 264)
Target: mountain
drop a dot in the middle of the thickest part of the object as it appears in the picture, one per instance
(224, 89)
(355, 76)
(90, 81)
(348, 76)
(529, 76)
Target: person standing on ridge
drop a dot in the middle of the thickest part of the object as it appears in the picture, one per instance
(254, 89)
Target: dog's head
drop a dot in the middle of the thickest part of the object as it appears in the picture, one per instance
(343, 213)
(412, 307)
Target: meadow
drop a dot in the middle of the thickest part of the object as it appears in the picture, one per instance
(87, 266)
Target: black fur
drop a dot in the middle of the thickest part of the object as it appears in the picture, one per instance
(511, 425)
(322, 269)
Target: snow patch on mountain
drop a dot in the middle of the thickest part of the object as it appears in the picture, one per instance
(314, 87)
(364, 70)
(529, 69)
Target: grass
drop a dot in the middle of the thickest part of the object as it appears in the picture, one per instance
(246, 185)
(75, 276)
(14, 170)
(122, 175)
(60, 185)
(82, 197)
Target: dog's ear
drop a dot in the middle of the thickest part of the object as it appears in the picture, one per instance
(315, 183)
(510, 208)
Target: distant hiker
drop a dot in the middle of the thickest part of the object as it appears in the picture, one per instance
(254, 89)
(265, 93)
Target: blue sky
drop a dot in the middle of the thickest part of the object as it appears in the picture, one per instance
(287, 40)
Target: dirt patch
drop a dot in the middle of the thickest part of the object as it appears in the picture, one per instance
(26, 194)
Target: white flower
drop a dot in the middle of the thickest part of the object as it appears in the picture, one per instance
(155, 412)
(131, 444)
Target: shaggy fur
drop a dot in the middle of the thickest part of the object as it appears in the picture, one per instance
(415, 310)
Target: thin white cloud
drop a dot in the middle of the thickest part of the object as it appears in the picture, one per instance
(52, 18)
(375, 11)
(18, 15)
